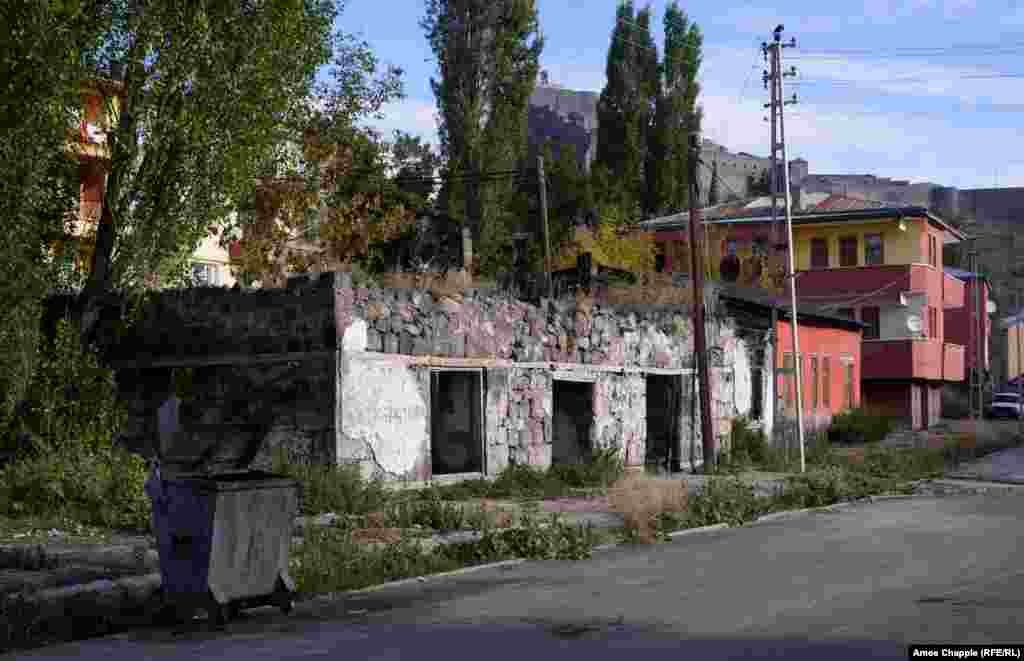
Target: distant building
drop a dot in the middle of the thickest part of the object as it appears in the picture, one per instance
(864, 260)
(569, 116)
(563, 116)
(210, 262)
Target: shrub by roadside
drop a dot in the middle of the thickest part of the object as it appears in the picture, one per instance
(859, 426)
(70, 466)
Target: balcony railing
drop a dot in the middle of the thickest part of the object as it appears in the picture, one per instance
(912, 359)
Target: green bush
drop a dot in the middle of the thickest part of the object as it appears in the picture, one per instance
(332, 488)
(329, 560)
(723, 500)
(71, 399)
(72, 468)
(604, 468)
(859, 426)
(91, 484)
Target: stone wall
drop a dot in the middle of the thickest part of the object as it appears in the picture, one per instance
(329, 372)
(393, 339)
(255, 371)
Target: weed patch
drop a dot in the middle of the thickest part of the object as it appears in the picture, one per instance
(339, 558)
(333, 488)
(725, 500)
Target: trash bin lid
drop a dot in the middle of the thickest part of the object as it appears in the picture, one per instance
(188, 446)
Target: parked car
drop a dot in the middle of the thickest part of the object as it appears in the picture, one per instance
(1006, 405)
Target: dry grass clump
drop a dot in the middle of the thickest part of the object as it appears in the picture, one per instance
(642, 499)
(498, 517)
(440, 285)
(376, 535)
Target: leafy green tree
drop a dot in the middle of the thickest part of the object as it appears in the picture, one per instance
(621, 108)
(41, 77)
(324, 196)
(677, 114)
(487, 58)
(416, 166)
(569, 194)
(205, 90)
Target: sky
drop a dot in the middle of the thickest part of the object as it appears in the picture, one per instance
(925, 90)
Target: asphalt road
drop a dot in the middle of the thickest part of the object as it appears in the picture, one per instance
(857, 583)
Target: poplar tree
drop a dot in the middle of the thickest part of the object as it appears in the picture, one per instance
(677, 114)
(623, 107)
(487, 56)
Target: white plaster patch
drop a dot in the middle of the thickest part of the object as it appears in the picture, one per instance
(354, 338)
(384, 415)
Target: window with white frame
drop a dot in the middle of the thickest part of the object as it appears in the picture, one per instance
(206, 274)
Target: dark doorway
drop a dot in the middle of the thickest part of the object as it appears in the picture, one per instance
(925, 392)
(573, 418)
(456, 440)
(664, 395)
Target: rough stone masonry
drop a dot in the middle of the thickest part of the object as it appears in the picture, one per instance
(412, 385)
(534, 372)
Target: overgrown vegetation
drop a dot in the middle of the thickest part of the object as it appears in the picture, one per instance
(725, 500)
(67, 463)
(330, 559)
(859, 426)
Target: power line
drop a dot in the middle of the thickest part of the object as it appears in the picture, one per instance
(907, 79)
(914, 50)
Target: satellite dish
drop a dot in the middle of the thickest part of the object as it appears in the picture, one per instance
(914, 323)
(991, 307)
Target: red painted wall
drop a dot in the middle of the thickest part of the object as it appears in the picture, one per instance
(836, 343)
(959, 324)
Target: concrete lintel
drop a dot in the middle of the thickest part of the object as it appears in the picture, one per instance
(485, 363)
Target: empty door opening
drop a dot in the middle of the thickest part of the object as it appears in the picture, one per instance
(456, 439)
(664, 394)
(573, 418)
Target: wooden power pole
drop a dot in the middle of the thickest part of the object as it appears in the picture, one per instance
(777, 79)
(700, 348)
(544, 219)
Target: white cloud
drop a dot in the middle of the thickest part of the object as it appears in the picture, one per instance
(414, 116)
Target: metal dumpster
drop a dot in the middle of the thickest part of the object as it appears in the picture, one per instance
(223, 532)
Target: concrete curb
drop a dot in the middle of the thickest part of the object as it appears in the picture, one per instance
(334, 596)
(969, 477)
(112, 602)
(32, 557)
(696, 531)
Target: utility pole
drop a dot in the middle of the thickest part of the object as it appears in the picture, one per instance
(1017, 363)
(777, 79)
(972, 257)
(544, 218)
(773, 180)
(700, 349)
(979, 346)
